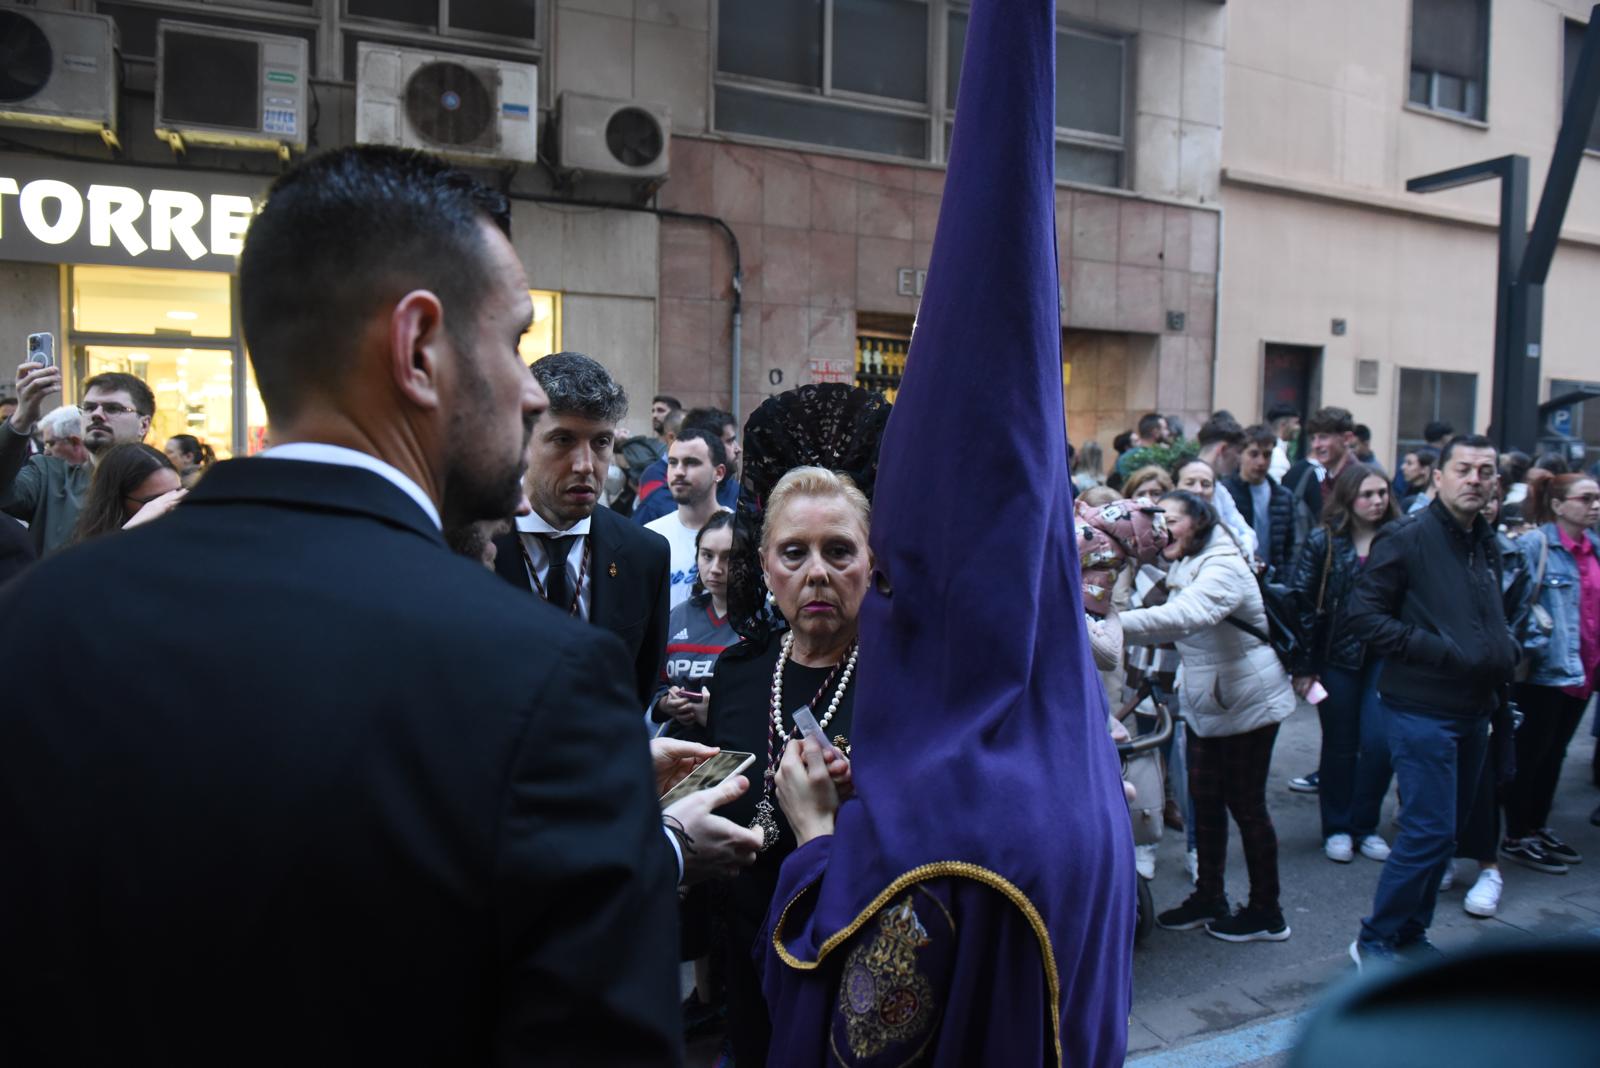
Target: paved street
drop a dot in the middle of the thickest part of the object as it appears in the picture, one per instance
(1199, 1001)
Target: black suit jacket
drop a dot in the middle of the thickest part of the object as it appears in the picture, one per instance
(631, 572)
(290, 783)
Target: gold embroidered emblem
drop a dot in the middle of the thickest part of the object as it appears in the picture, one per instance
(882, 995)
(841, 743)
(612, 570)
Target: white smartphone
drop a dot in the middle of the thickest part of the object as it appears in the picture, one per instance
(42, 349)
(714, 771)
(1315, 694)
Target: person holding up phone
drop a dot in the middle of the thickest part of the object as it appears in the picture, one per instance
(46, 491)
(699, 630)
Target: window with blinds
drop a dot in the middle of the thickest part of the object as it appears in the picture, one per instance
(1450, 56)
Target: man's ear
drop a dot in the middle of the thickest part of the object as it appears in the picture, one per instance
(722, 473)
(418, 346)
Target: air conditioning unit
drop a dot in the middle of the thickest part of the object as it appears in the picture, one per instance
(625, 137)
(58, 70)
(471, 109)
(230, 88)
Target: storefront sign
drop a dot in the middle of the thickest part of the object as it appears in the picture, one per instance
(63, 211)
(910, 281)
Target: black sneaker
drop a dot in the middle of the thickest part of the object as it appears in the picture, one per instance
(1250, 925)
(1195, 912)
(1418, 951)
(1306, 784)
(1556, 847)
(1531, 853)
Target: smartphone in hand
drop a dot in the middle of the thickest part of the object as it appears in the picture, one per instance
(42, 349)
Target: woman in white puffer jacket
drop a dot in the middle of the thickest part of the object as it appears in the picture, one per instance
(1234, 693)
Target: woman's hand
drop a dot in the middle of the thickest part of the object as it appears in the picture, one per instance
(1302, 684)
(806, 790)
(157, 508)
(674, 758)
(683, 709)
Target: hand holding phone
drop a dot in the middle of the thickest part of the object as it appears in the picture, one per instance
(42, 349)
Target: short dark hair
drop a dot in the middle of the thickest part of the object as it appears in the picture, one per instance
(671, 402)
(1436, 430)
(1201, 511)
(144, 401)
(714, 447)
(1123, 441)
(340, 235)
(578, 385)
(1426, 455)
(1223, 427)
(1553, 462)
(709, 419)
(1363, 432)
(1463, 441)
(1331, 420)
(1149, 423)
(1282, 411)
(1261, 436)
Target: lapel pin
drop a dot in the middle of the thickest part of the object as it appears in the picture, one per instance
(612, 570)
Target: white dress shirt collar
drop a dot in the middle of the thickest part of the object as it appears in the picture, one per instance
(319, 453)
(534, 523)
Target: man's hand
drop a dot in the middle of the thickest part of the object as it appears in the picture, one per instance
(686, 711)
(673, 758)
(35, 382)
(715, 846)
(806, 789)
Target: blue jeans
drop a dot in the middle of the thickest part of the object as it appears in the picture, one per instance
(1354, 771)
(1437, 760)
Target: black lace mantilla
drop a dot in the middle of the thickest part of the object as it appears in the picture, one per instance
(830, 425)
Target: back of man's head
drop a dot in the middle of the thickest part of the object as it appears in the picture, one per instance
(1331, 420)
(672, 425)
(340, 237)
(1436, 432)
(1282, 411)
(578, 385)
(1221, 428)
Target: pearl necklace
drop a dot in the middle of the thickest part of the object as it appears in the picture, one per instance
(777, 689)
(766, 817)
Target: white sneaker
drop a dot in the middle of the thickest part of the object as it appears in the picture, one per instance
(1338, 848)
(1449, 879)
(1484, 897)
(1373, 847)
(1191, 864)
(1144, 860)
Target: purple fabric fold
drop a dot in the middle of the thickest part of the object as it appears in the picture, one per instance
(980, 744)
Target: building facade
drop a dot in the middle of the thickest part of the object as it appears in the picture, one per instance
(1338, 286)
(808, 142)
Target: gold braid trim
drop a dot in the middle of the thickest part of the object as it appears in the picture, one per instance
(938, 870)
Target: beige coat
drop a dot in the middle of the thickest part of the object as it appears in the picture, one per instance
(1228, 681)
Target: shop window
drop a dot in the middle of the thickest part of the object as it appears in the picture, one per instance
(1434, 396)
(1573, 47)
(1450, 56)
(883, 341)
(175, 330)
(544, 336)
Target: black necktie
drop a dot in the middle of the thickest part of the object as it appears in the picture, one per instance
(556, 589)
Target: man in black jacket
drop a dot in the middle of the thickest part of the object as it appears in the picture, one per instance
(1267, 507)
(613, 574)
(386, 815)
(1429, 603)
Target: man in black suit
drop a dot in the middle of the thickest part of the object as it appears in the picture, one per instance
(386, 815)
(617, 576)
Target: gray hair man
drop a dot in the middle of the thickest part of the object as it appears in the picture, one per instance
(62, 430)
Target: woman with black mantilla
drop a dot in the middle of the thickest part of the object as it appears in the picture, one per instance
(808, 547)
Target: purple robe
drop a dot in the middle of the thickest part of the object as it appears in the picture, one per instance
(987, 859)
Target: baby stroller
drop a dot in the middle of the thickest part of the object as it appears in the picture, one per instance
(1141, 766)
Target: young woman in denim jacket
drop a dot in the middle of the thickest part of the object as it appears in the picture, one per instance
(1564, 554)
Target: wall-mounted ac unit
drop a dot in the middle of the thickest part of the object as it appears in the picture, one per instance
(472, 109)
(625, 137)
(58, 69)
(230, 88)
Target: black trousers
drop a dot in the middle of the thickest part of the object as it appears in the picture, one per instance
(1550, 718)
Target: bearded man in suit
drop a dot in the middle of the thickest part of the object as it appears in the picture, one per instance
(389, 815)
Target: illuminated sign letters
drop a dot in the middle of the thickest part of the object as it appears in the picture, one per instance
(68, 212)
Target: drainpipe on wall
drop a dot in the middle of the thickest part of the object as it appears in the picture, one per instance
(737, 282)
